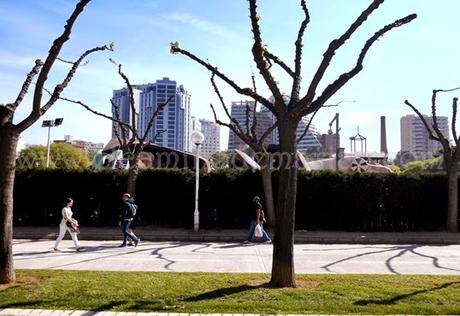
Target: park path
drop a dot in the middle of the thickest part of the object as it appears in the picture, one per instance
(179, 256)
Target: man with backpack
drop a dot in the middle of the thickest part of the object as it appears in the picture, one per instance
(129, 210)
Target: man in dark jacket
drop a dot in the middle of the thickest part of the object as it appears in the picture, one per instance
(126, 218)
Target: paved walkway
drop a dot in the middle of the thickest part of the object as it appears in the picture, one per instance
(237, 235)
(251, 258)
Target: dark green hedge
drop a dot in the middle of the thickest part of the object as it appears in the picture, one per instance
(326, 200)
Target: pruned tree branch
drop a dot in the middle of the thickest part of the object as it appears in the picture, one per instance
(254, 109)
(131, 94)
(454, 121)
(43, 75)
(175, 49)
(280, 63)
(335, 45)
(422, 118)
(258, 52)
(298, 56)
(65, 61)
(442, 138)
(39, 111)
(222, 102)
(159, 108)
(307, 127)
(25, 86)
(332, 88)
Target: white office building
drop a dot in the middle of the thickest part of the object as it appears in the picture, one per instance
(415, 138)
(211, 143)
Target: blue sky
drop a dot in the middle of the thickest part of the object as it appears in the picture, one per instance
(406, 63)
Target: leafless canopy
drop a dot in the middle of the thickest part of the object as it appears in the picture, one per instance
(42, 69)
(297, 106)
(438, 135)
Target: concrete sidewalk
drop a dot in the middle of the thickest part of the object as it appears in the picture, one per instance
(149, 233)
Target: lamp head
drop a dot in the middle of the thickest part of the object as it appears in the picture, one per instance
(197, 137)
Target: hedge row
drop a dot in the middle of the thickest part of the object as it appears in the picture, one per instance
(325, 200)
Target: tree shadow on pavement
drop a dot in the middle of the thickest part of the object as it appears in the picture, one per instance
(400, 297)
(401, 250)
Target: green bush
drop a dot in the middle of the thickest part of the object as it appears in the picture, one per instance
(326, 200)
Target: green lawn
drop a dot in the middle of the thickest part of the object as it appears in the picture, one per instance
(232, 293)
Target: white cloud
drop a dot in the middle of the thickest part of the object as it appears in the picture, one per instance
(200, 24)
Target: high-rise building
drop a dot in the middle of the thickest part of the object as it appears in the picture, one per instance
(122, 99)
(211, 143)
(265, 119)
(171, 126)
(415, 138)
(239, 113)
(312, 139)
(173, 120)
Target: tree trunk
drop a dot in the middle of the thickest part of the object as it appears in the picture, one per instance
(266, 174)
(8, 143)
(283, 274)
(452, 187)
(132, 175)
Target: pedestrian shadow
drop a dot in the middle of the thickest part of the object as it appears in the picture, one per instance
(240, 244)
(223, 292)
(396, 298)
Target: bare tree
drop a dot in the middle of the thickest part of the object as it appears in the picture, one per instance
(451, 155)
(131, 141)
(10, 132)
(254, 141)
(289, 113)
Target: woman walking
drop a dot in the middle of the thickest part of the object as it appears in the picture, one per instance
(258, 221)
(68, 224)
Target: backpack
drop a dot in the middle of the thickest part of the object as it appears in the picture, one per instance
(132, 210)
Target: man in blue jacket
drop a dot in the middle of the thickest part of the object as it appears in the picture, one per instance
(128, 212)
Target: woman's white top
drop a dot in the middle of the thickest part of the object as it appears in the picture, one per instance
(66, 213)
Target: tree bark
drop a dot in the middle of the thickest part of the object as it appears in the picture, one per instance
(8, 143)
(283, 274)
(132, 174)
(266, 174)
(452, 188)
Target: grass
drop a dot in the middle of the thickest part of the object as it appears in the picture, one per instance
(232, 293)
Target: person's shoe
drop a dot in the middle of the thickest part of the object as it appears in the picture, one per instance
(246, 242)
(79, 249)
(56, 249)
(136, 243)
(267, 242)
(122, 246)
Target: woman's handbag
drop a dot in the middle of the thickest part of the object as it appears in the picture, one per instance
(73, 227)
(258, 231)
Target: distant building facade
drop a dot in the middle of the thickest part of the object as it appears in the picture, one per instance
(211, 143)
(121, 99)
(415, 138)
(265, 119)
(171, 127)
(87, 147)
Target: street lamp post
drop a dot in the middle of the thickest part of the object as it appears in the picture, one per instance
(49, 124)
(197, 138)
(337, 138)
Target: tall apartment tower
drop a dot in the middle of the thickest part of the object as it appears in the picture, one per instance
(265, 119)
(211, 143)
(238, 112)
(415, 138)
(122, 99)
(174, 119)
